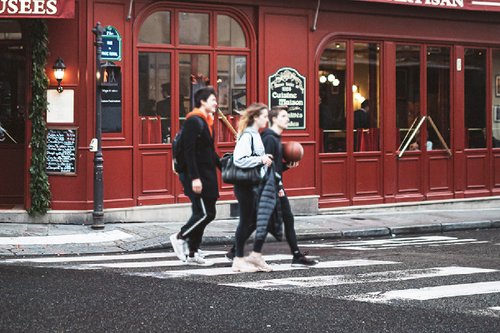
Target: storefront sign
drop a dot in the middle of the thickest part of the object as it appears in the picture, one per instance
(482, 5)
(37, 9)
(111, 100)
(111, 44)
(288, 87)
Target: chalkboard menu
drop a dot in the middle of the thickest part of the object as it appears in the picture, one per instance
(288, 87)
(61, 150)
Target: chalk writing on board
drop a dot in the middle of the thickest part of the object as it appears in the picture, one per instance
(61, 150)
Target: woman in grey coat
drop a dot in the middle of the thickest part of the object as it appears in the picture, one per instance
(249, 152)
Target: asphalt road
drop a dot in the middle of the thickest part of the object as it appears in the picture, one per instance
(428, 283)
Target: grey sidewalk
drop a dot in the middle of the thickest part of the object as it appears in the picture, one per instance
(57, 239)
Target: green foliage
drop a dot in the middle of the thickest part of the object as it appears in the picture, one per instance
(39, 184)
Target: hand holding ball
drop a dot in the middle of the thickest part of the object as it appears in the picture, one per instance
(292, 151)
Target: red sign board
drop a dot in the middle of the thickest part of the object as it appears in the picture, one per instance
(481, 5)
(37, 9)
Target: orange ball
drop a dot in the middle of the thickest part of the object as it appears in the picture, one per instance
(292, 151)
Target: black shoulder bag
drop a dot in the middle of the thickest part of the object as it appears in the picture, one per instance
(232, 174)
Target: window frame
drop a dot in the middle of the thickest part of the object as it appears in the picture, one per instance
(213, 50)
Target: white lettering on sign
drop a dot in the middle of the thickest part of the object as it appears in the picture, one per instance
(437, 3)
(35, 7)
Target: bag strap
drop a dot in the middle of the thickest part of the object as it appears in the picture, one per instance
(251, 138)
(253, 151)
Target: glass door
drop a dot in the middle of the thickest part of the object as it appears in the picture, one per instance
(12, 124)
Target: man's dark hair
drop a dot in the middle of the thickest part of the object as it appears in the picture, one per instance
(364, 104)
(203, 94)
(275, 110)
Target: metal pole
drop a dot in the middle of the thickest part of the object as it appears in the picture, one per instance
(98, 213)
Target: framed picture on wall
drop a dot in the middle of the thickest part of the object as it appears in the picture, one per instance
(497, 85)
(240, 71)
(496, 113)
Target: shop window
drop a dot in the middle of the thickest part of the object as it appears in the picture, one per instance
(229, 32)
(193, 29)
(201, 57)
(365, 94)
(332, 91)
(495, 96)
(10, 30)
(156, 29)
(155, 101)
(232, 92)
(438, 94)
(407, 93)
(194, 73)
(12, 94)
(475, 98)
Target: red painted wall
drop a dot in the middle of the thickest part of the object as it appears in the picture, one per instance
(283, 39)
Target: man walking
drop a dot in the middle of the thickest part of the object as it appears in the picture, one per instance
(199, 179)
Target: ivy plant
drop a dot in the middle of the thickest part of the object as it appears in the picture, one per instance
(39, 181)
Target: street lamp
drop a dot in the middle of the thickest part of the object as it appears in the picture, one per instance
(98, 213)
(59, 68)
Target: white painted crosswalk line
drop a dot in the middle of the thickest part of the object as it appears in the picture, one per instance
(276, 268)
(98, 237)
(428, 293)
(384, 244)
(135, 256)
(376, 277)
(171, 263)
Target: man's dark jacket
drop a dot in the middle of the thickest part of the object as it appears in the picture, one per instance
(272, 145)
(200, 156)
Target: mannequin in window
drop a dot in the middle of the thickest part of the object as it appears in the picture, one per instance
(163, 109)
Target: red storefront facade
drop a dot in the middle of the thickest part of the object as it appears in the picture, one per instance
(414, 62)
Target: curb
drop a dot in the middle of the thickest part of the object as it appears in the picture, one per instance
(465, 225)
(416, 229)
(355, 233)
(162, 242)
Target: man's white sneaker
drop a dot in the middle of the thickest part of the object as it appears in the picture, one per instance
(198, 261)
(201, 253)
(178, 245)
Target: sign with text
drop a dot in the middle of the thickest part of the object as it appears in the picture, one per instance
(61, 150)
(111, 100)
(480, 5)
(288, 88)
(111, 44)
(37, 9)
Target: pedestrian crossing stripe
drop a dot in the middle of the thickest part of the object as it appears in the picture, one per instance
(171, 263)
(374, 277)
(383, 244)
(133, 256)
(215, 271)
(97, 237)
(428, 293)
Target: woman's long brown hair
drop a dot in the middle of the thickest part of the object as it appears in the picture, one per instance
(247, 117)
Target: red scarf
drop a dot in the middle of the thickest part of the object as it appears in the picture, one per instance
(208, 119)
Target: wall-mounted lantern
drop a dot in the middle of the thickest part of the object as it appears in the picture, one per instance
(59, 68)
